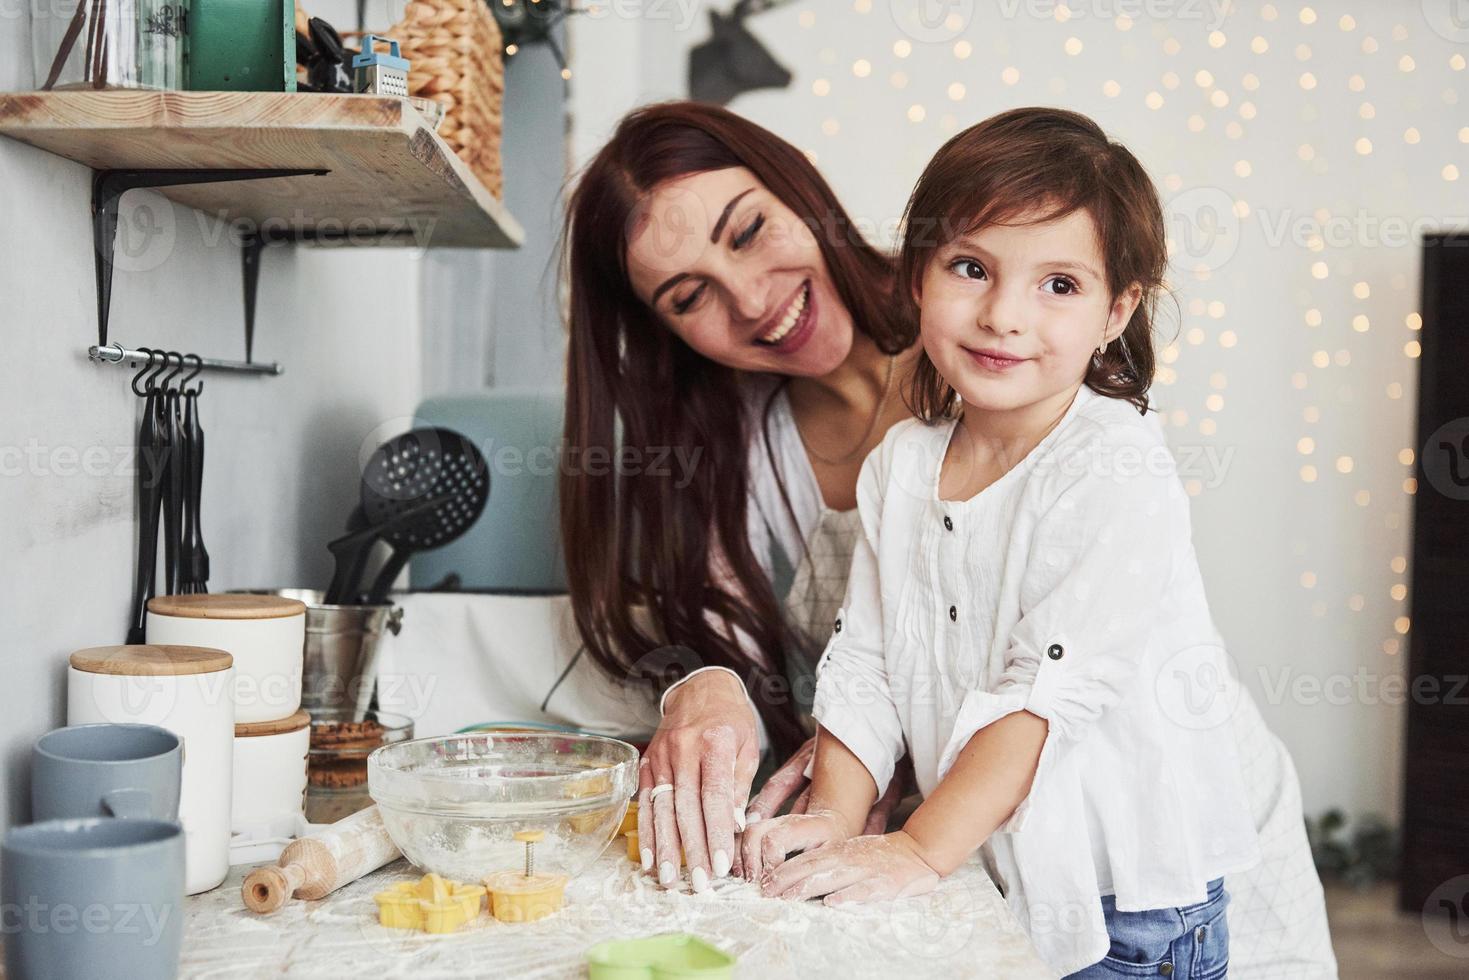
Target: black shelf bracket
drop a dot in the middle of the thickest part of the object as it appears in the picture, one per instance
(253, 246)
(108, 187)
(250, 250)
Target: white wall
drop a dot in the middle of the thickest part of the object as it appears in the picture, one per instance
(465, 293)
(282, 452)
(1305, 577)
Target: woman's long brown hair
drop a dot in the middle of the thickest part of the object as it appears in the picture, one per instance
(640, 547)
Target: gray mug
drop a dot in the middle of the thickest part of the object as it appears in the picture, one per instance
(98, 898)
(106, 770)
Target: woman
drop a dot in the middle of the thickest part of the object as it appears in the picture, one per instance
(723, 307)
(721, 304)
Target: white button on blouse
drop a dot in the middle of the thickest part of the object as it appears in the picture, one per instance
(1068, 588)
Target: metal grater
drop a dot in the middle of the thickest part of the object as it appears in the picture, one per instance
(374, 73)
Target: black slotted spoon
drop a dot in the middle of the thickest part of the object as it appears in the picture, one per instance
(405, 471)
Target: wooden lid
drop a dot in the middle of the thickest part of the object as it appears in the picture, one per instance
(294, 723)
(226, 605)
(142, 660)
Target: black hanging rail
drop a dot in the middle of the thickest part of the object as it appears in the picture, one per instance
(118, 354)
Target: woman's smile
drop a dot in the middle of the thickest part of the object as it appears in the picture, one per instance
(794, 324)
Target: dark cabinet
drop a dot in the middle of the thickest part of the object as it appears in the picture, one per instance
(1436, 770)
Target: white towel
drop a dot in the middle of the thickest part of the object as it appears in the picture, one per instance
(463, 659)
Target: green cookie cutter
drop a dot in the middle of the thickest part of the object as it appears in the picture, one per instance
(670, 956)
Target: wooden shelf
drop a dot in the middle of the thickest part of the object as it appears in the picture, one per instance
(389, 172)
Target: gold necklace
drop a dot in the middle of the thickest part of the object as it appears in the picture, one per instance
(887, 387)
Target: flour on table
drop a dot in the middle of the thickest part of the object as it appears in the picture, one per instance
(962, 929)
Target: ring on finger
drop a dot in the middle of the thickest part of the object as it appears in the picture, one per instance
(660, 788)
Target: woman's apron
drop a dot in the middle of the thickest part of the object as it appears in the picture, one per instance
(818, 587)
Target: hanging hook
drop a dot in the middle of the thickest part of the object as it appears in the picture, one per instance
(152, 379)
(142, 371)
(199, 366)
(168, 378)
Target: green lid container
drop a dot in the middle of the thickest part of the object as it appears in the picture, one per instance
(670, 956)
(242, 45)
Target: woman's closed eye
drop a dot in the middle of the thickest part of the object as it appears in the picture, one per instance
(681, 306)
(736, 242)
(748, 235)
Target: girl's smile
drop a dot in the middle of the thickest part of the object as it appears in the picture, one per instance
(993, 359)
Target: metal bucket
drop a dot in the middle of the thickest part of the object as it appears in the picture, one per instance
(341, 649)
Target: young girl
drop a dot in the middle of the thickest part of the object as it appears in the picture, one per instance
(1025, 597)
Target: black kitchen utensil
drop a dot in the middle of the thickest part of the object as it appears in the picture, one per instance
(193, 556)
(418, 464)
(150, 461)
(352, 549)
(173, 482)
(350, 553)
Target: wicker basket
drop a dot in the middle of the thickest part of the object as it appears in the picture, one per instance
(456, 51)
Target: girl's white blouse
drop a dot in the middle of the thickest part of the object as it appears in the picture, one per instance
(1068, 588)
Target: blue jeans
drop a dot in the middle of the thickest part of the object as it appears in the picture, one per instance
(1189, 943)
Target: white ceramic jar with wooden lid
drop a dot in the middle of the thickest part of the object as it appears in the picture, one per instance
(270, 776)
(187, 690)
(266, 634)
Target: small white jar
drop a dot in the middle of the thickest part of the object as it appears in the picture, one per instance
(265, 634)
(186, 690)
(270, 776)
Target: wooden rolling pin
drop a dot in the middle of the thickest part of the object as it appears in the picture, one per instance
(314, 867)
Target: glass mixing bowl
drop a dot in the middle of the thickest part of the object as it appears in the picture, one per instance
(454, 803)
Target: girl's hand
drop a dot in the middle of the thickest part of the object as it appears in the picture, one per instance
(763, 849)
(707, 748)
(790, 780)
(767, 843)
(786, 782)
(861, 869)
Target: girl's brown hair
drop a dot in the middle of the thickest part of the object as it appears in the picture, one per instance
(636, 540)
(1033, 165)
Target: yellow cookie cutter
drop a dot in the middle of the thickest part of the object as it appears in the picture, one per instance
(634, 853)
(432, 904)
(528, 896)
(588, 823)
(629, 819)
(629, 829)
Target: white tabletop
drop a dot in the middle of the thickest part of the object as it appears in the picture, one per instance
(963, 929)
